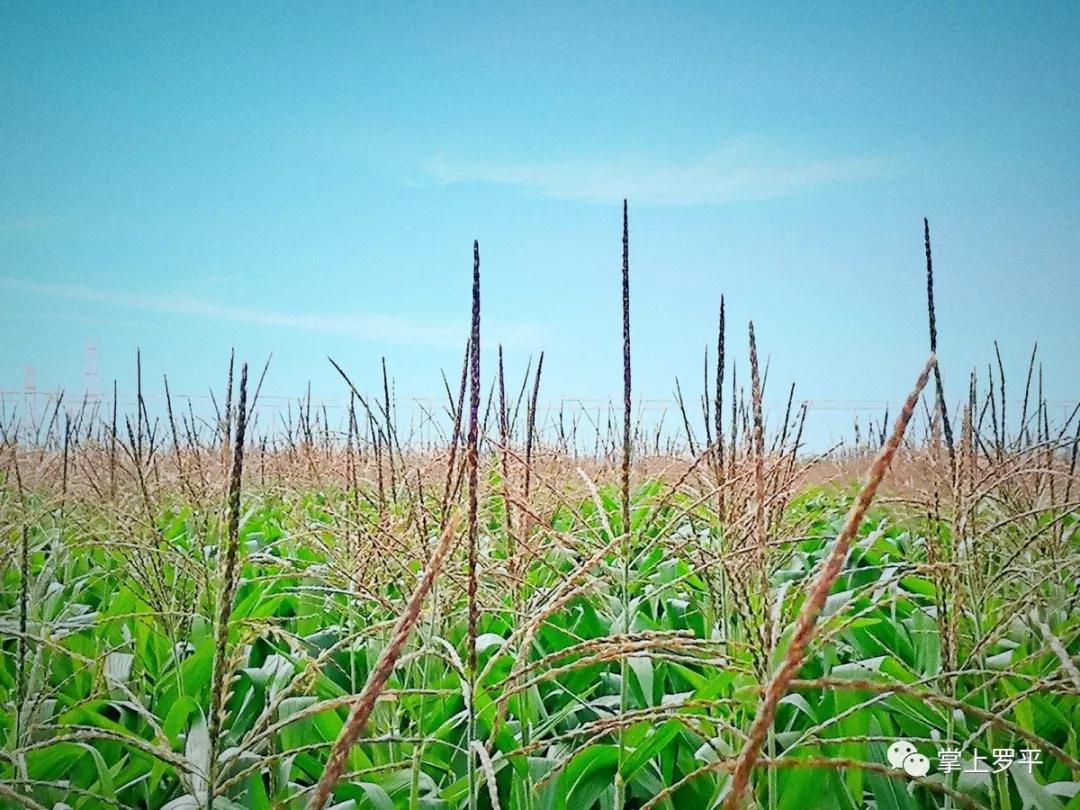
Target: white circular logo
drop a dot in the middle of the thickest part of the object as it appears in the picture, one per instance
(902, 754)
(916, 765)
(898, 752)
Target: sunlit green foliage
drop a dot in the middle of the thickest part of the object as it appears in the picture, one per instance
(107, 705)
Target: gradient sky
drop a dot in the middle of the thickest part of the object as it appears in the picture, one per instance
(307, 179)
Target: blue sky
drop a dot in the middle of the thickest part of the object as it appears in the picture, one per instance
(307, 179)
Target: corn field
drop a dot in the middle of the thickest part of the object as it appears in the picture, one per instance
(201, 615)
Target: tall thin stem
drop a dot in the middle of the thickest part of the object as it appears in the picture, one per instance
(219, 686)
(472, 460)
(940, 391)
(620, 786)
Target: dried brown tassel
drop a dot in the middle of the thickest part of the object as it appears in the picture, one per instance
(815, 600)
(228, 590)
(365, 703)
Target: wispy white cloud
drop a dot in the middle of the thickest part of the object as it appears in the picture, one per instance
(742, 169)
(386, 329)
